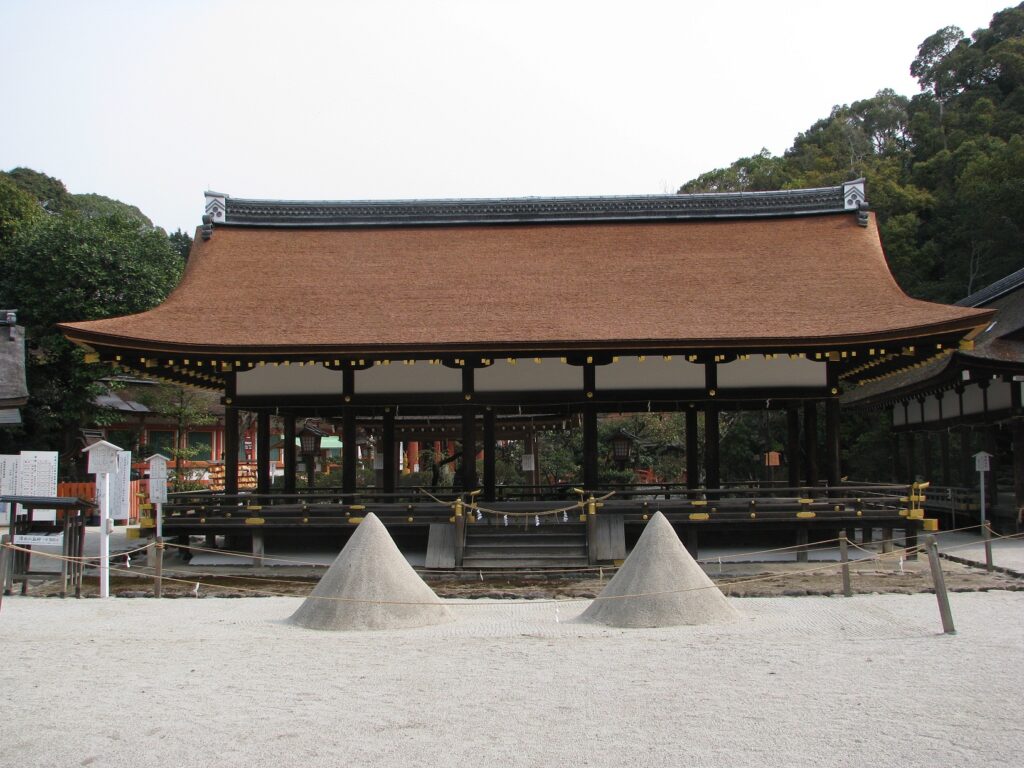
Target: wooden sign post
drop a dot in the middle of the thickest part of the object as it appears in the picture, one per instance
(158, 488)
(158, 497)
(103, 464)
(983, 463)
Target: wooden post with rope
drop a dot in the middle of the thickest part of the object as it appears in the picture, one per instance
(986, 532)
(592, 529)
(65, 541)
(844, 556)
(939, 581)
(4, 565)
(158, 585)
(460, 532)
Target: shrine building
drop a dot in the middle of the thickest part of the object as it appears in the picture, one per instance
(479, 314)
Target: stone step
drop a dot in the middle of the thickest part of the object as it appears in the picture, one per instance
(484, 563)
(525, 550)
(516, 546)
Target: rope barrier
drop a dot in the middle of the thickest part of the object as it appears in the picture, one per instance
(70, 558)
(437, 571)
(901, 553)
(478, 603)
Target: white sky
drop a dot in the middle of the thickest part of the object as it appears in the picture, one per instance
(154, 102)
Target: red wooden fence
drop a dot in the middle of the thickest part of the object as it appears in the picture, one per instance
(87, 491)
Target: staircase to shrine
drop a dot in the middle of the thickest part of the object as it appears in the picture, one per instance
(558, 545)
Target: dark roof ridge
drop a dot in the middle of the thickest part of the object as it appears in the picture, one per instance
(223, 209)
(993, 291)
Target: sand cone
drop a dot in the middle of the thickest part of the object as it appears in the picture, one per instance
(380, 588)
(659, 563)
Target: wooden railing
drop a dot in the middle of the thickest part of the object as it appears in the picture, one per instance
(87, 492)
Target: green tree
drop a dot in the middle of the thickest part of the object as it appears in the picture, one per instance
(51, 193)
(67, 267)
(187, 408)
(181, 242)
(16, 206)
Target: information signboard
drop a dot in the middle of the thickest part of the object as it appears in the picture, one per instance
(157, 479)
(37, 476)
(39, 540)
(121, 487)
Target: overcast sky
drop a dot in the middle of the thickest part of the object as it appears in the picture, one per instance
(154, 102)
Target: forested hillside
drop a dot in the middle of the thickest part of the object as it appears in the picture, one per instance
(945, 169)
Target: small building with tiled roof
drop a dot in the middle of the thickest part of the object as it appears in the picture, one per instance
(562, 306)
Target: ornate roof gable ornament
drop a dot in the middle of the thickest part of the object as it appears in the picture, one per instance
(853, 194)
(216, 212)
(855, 199)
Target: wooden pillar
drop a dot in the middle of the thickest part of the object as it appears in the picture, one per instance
(793, 445)
(489, 457)
(535, 474)
(833, 467)
(692, 450)
(991, 482)
(589, 447)
(289, 453)
(1017, 444)
(413, 452)
(389, 448)
(926, 455)
(897, 458)
(349, 452)
(1017, 425)
(263, 452)
(230, 450)
(811, 441)
(908, 440)
(469, 478)
(712, 470)
(968, 477)
(947, 473)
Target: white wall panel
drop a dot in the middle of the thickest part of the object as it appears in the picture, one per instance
(758, 371)
(526, 375)
(973, 400)
(289, 380)
(655, 372)
(898, 419)
(999, 396)
(398, 378)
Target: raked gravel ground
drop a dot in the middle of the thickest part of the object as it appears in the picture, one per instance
(813, 681)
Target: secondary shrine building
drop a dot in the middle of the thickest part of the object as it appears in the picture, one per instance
(480, 314)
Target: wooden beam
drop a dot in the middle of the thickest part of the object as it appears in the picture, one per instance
(589, 446)
(489, 456)
(793, 445)
(389, 448)
(692, 450)
(469, 476)
(348, 450)
(230, 449)
(712, 471)
(289, 452)
(832, 445)
(263, 452)
(811, 441)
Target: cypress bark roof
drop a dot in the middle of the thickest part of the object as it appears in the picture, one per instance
(700, 283)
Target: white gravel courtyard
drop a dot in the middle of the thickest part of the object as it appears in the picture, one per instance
(795, 682)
